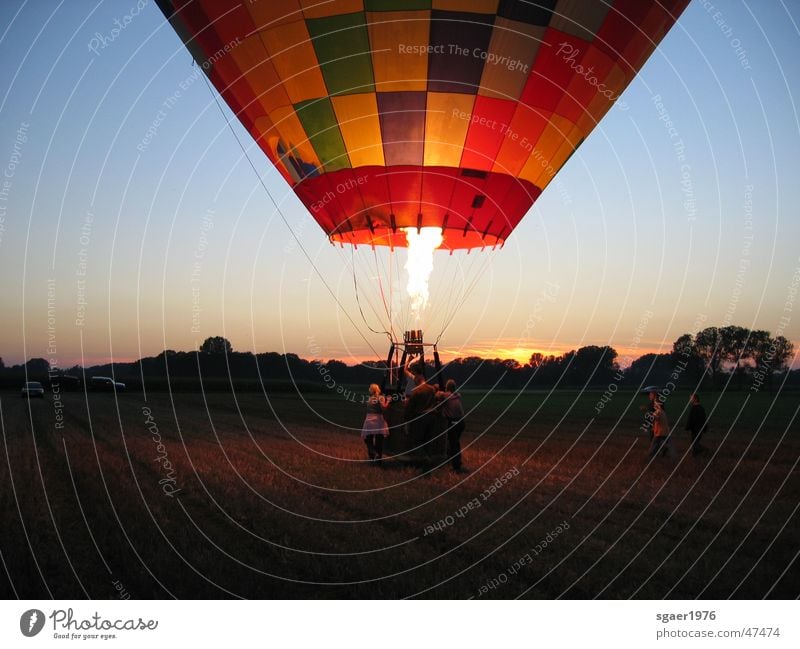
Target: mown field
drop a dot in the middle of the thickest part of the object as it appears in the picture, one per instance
(269, 497)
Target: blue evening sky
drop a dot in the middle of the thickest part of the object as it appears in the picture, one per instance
(638, 241)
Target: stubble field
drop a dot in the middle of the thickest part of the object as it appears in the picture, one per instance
(244, 495)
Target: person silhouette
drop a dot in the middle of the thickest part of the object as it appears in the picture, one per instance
(649, 412)
(410, 377)
(421, 416)
(375, 429)
(697, 425)
(660, 444)
(453, 415)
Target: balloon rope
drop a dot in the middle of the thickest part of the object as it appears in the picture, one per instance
(468, 276)
(453, 296)
(443, 283)
(467, 293)
(403, 303)
(360, 269)
(386, 307)
(473, 282)
(286, 221)
(358, 301)
(391, 294)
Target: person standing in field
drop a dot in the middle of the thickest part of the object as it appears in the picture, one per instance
(660, 444)
(453, 415)
(697, 425)
(649, 412)
(421, 414)
(375, 429)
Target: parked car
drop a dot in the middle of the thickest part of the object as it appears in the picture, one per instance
(105, 384)
(32, 389)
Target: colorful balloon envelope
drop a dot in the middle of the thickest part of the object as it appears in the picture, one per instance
(391, 114)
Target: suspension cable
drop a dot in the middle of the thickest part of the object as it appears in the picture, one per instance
(466, 295)
(358, 301)
(386, 308)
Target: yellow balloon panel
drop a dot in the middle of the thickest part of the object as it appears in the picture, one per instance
(293, 56)
(361, 129)
(447, 120)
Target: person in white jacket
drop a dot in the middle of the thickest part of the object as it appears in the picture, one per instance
(375, 429)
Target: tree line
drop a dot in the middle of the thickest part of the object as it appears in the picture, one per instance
(714, 358)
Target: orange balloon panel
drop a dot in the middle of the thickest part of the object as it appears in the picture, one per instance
(387, 114)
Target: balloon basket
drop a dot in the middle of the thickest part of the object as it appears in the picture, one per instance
(403, 443)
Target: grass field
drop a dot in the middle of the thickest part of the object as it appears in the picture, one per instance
(270, 498)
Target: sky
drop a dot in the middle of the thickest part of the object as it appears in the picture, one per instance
(131, 222)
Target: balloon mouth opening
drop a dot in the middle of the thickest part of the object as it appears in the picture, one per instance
(452, 238)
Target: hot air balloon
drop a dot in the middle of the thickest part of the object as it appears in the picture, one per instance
(435, 123)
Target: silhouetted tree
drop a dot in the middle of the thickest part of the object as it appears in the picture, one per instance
(216, 345)
(600, 362)
(590, 364)
(735, 349)
(651, 369)
(770, 355)
(684, 346)
(336, 366)
(784, 350)
(707, 346)
(684, 351)
(37, 367)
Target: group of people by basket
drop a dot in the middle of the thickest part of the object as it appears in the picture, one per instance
(428, 411)
(657, 423)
